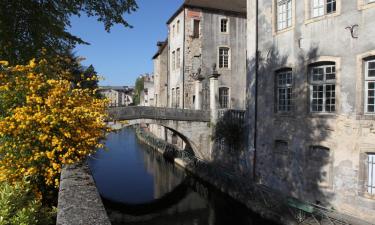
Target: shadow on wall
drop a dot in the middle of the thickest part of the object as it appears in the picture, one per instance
(291, 155)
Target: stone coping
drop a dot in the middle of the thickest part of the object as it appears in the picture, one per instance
(79, 202)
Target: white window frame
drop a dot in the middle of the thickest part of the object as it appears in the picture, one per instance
(284, 14)
(368, 80)
(370, 181)
(178, 26)
(222, 98)
(285, 85)
(227, 25)
(324, 83)
(221, 58)
(321, 7)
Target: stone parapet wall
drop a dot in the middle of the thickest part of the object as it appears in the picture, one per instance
(79, 200)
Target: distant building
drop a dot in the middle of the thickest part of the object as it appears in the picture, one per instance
(203, 34)
(118, 95)
(147, 97)
(161, 75)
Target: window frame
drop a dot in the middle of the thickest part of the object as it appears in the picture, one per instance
(178, 97)
(285, 86)
(227, 97)
(368, 80)
(196, 28)
(173, 64)
(287, 19)
(324, 83)
(324, 7)
(178, 58)
(370, 179)
(227, 25)
(309, 156)
(309, 18)
(219, 58)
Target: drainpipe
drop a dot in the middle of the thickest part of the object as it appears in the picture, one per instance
(183, 63)
(256, 89)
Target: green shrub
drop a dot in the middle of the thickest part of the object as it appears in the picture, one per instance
(19, 205)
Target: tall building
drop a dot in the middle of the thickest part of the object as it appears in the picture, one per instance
(204, 36)
(161, 74)
(311, 94)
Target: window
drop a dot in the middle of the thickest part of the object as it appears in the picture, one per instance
(223, 57)
(178, 63)
(370, 86)
(196, 27)
(224, 97)
(178, 26)
(224, 23)
(177, 97)
(323, 88)
(173, 30)
(284, 14)
(319, 166)
(284, 91)
(371, 173)
(322, 7)
(173, 60)
(280, 154)
(173, 98)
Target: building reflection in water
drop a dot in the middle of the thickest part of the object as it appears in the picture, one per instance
(139, 186)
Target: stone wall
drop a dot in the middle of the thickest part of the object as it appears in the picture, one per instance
(285, 153)
(79, 201)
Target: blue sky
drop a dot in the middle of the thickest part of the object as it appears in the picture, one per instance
(124, 53)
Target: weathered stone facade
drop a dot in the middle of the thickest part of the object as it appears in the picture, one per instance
(319, 157)
(196, 35)
(161, 75)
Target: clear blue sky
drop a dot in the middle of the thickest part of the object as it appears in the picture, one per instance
(124, 53)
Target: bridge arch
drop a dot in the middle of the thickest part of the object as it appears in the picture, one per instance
(191, 145)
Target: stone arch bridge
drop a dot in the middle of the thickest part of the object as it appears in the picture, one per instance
(192, 126)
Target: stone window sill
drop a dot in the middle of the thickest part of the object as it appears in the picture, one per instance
(324, 17)
(365, 6)
(285, 30)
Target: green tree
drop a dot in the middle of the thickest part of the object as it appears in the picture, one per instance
(27, 26)
(139, 86)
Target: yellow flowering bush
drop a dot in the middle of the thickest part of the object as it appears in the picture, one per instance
(45, 123)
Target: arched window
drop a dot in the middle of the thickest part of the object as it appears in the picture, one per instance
(223, 97)
(322, 79)
(319, 166)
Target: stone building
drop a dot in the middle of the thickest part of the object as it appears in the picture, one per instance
(311, 93)
(161, 74)
(147, 97)
(204, 33)
(118, 95)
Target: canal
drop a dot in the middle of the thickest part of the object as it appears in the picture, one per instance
(138, 186)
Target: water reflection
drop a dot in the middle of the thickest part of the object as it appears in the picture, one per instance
(139, 187)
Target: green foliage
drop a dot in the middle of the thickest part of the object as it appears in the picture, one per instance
(231, 131)
(139, 86)
(20, 206)
(27, 26)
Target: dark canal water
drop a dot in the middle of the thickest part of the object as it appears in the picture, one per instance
(140, 187)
